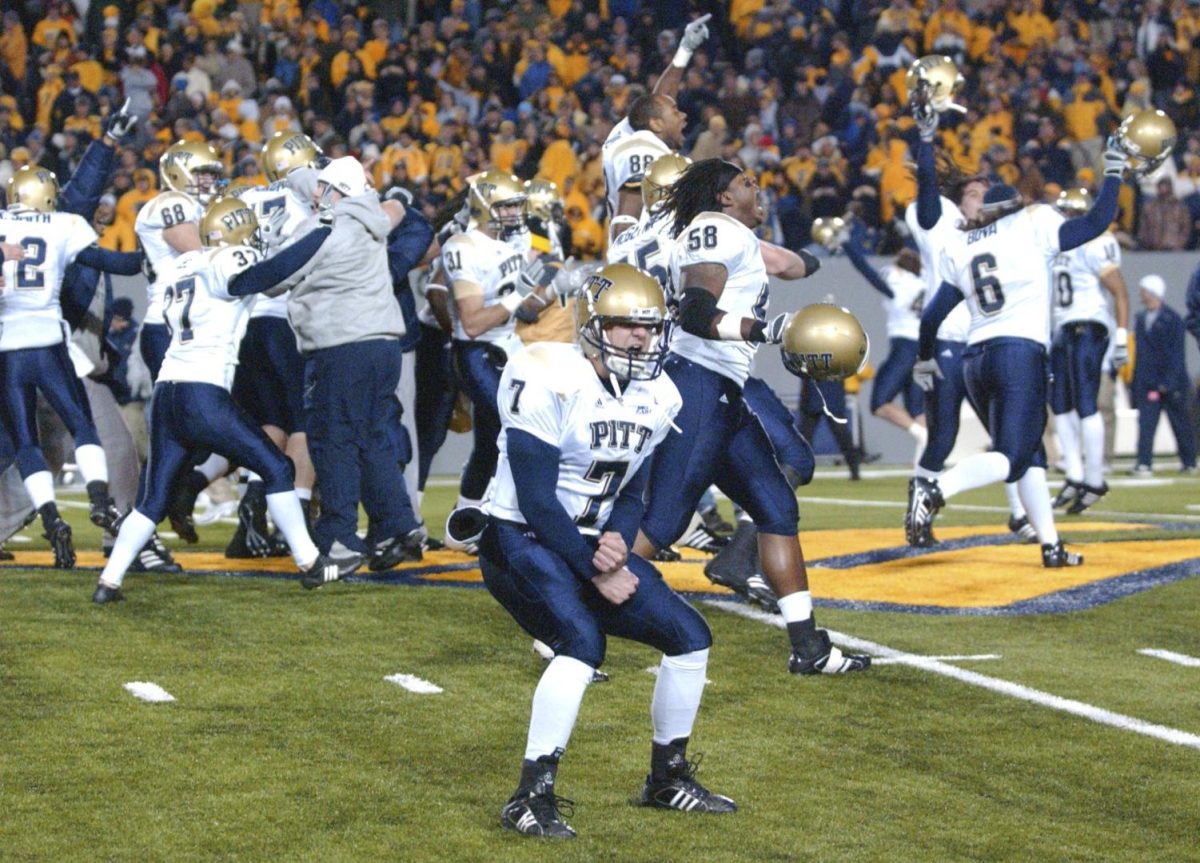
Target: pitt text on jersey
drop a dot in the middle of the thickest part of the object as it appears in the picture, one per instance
(618, 434)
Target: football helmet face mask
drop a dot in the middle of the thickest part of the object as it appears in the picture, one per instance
(193, 168)
(1147, 138)
(1074, 202)
(543, 200)
(934, 79)
(286, 151)
(498, 200)
(661, 176)
(829, 231)
(621, 294)
(32, 188)
(824, 342)
(228, 221)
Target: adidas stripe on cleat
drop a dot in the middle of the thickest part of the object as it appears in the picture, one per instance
(1067, 494)
(1056, 556)
(323, 571)
(679, 790)
(1089, 495)
(924, 502)
(823, 658)
(538, 815)
(1023, 529)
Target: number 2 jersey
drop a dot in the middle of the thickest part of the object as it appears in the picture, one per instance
(266, 201)
(479, 266)
(165, 210)
(1003, 271)
(30, 314)
(206, 321)
(715, 238)
(1078, 294)
(551, 391)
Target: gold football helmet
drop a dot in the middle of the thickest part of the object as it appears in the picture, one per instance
(660, 176)
(238, 185)
(191, 167)
(621, 294)
(494, 190)
(285, 151)
(824, 342)
(544, 201)
(1074, 202)
(228, 221)
(32, 188)
(829, 231)
(934, 79)
(1147, 138)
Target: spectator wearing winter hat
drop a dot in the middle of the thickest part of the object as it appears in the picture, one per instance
(1160, 378)
(115, 234)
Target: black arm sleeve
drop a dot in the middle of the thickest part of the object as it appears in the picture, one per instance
(626, 516)
(697, 308)
(121, 263)
(267, 274)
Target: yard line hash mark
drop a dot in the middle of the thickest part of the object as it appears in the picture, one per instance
(1171, 656)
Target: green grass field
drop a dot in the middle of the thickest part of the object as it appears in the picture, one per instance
(286, 743)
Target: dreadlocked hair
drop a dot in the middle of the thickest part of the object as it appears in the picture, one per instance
(449, 210)
(698, 190)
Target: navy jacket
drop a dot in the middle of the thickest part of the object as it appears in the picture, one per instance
(1192, 321)
(1159, 358)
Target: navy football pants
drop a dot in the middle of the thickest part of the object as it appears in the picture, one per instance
(1077, 361)
(478, 366)
(1006, 382)
(943, 405)
(895, 377)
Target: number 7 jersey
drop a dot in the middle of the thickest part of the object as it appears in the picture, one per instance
(206, 321)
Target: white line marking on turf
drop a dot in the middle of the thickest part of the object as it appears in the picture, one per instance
(1171, 656)
(19, 537)
(414, 684)
(995, 684)
(966, 657)
(968, 507)
(147, 691)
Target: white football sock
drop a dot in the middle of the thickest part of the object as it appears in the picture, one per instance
(555, 705)
(214, 467)
(285, 511)
(1092, 429)
(136, 531)
(1067, 427)
(40, 486)
(92, 463)
(677, 695)
(303, 493)
(251, 476)
(924, 473)
(921, 436)
(1035, 494)
(466, 501)
(796, 607)
(974, 471)
(1014, 501)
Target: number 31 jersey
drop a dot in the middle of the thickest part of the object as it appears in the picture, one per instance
(551, 391)
(1003, 270)
(478, 266)
(206, 321)
(165, 210)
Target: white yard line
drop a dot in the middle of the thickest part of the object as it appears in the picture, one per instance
(146, 691)
(969, 507)
(966, 657)
(1171, 656)
(994, 684)
(414, 684)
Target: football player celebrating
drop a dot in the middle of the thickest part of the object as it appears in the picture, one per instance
(577, 434)
(33, 347)
(1009, 336)
(192, 408)
(653, 128)
(722, 271)
(1081, 322)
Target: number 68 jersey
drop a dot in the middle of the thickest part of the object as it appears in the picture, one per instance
(206, 321)
(551, 391)
(165, 210)
(1003, 271)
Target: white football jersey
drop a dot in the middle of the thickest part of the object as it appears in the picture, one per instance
(930, 244)
(647, 246)
(206, 321)
(477, 265)
(906, 303)
(551, 391)
(265, 201)
(164, 210)
(30, 314)
(1078, 294)
(625, 156)
(1003, 270)
(715, 238)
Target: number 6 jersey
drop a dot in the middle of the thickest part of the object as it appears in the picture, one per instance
(551, 391)
(1003, 271)
(206, 321)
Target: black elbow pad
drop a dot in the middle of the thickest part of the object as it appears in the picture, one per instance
(697, 308)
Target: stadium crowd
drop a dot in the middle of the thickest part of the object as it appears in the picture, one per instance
(808, 94)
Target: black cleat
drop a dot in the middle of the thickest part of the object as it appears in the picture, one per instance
(534, 809)
(667, 554)
(432, 543)
(715, 523)
(153, 557)
(105, 594)
(924, 501)
(5, 554)
(737, 561)
(252, 538)
(679, 790)
(59, 534)
(1022, 529)
(103, 514)
(821, 657)
(323, 571)
(1089, 495)
(761, 594)
(1067, 494)
(1057, 557)
(402, 548)
(704, 540)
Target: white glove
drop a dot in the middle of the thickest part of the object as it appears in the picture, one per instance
(694, 35)
(271, 227)
(1115, 160)
(924, 372)
(773, 334)
(542, 272)
(927, 120)
(121, 123)
(1120, 354)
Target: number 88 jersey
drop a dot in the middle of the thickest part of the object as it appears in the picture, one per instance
(1003, 271)
(206, 321)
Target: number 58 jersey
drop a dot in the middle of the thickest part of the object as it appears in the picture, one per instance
(551, 391)
(1003, 271)
(206, 321)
